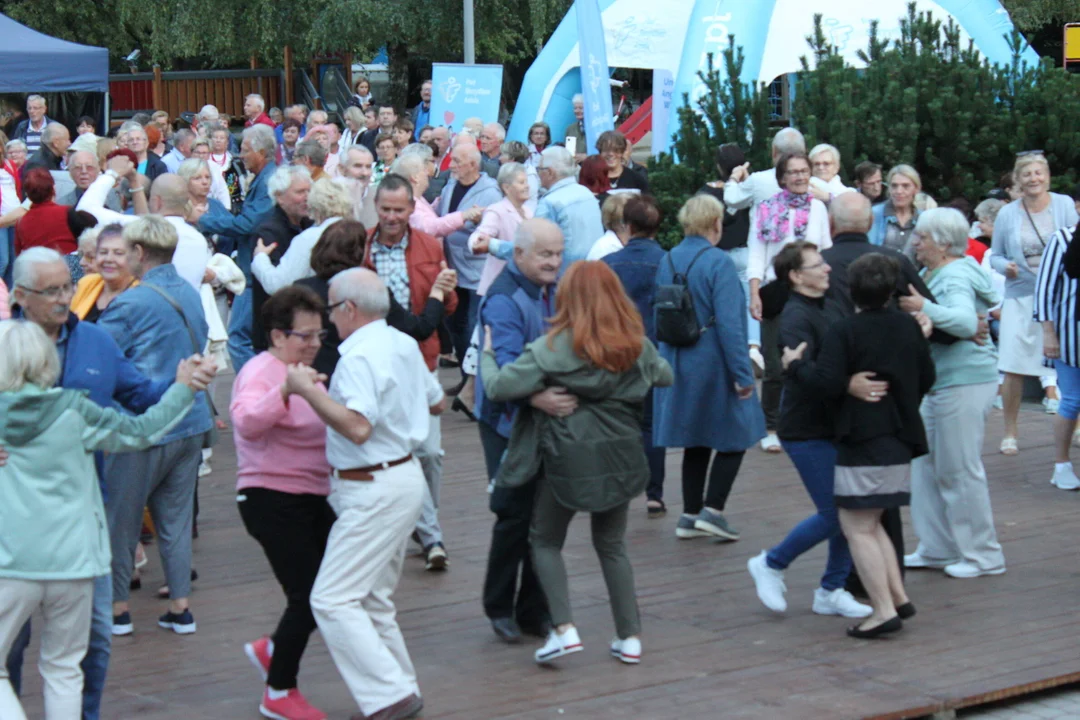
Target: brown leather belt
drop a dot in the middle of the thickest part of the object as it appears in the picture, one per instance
(365, 473)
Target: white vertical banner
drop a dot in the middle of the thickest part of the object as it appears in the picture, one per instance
(663, 88)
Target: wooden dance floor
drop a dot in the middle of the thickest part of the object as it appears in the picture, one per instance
(711, 649)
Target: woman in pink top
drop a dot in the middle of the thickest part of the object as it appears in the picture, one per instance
(495, 233)
(5, 308)
(283, 483)
(416, 167)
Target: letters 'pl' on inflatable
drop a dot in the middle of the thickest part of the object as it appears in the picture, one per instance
(677, 36)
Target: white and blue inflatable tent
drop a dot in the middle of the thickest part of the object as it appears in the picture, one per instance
(678, 35)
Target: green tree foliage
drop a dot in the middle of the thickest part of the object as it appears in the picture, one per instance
(1032, 15)
(727, 112)
(928, 100)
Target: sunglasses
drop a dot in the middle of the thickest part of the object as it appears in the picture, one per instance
(1025, 153)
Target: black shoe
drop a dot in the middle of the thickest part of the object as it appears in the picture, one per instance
(905, 611)
(658, 511)
(541, 630)
(889, 626)
(444, 363)
(458, 406)
(136, 583)
(507, 630)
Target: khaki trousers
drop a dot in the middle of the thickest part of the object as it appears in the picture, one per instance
(352, 596)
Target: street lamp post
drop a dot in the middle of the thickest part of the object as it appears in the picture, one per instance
(470, 34)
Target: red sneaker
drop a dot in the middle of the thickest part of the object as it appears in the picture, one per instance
(293, 706)
(258, 653)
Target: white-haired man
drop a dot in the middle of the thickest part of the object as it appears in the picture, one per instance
(568, 204)
(288, 187)
(255, 112)
(30, 129)
(576, 129)
(55, 141)
(84, 170)
(376, 415)
(182, 141)
(355, 174)
(491, 140)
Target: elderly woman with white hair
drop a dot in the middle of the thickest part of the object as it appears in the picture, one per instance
(894, 219)
(416, 166)
(950, 498)
(825, 164)
(52, 519)
(1021, 234)
(327, 203)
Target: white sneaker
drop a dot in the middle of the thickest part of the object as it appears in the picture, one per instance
(966, 570)
(1064, 477)
(1051, 405)
(628, 650)
(771, 444)
(915, 560)
(999, 404)
(839, 602)
(559, 645)
(204, 469)
(769, 582)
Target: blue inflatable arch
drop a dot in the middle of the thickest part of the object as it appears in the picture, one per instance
(678, 36)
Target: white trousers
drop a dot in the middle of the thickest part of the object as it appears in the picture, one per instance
(66, 607)
(430, 455)
(352, 596)
(950, 498)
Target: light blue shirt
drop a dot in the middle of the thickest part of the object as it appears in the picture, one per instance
(575, 210)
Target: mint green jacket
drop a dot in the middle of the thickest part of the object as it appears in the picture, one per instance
(52, 520)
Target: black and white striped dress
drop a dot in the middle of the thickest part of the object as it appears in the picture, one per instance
(1055, 296)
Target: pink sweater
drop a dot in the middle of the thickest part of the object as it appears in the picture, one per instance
(279, 446)
(5, 308)
(425, 219)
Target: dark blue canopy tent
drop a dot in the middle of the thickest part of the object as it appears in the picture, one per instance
(32, 62)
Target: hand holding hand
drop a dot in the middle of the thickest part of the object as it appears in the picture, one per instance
(862, 387)
(473, 214)
(482, 244)
(261, 249)
(302, 379)
(185, 374)
(122, 166)
(913, 301)
(555, 401)
(791, 356)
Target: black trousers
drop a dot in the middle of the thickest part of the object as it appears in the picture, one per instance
(292, 530)
(509, 555)
(772, 384)
(695, 466)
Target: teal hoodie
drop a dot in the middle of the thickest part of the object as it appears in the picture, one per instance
(963, 291)
(52, 521)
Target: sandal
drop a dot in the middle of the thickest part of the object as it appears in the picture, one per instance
(1009, 446)
(656, 511)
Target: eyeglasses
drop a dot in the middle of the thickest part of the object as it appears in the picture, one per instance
(797, 173)
(52, 293)
(1025, 153)
(331, 308)
(308, 336)
(815, 266)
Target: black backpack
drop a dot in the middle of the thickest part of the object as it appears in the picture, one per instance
(676, 321)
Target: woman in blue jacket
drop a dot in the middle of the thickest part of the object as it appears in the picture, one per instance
(712, 409)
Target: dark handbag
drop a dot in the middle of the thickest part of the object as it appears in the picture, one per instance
(210, 437)
(676, 320)
(774, 296)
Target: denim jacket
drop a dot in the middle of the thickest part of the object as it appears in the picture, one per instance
(636, 266)
(235, 230)
(151, 333)
(575, 210)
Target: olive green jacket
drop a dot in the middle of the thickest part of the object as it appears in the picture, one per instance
(593, 459)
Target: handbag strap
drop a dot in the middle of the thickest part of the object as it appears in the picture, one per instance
(1033, 225)
(686, 275)
(176, 306)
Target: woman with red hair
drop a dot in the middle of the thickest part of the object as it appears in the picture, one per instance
(47, 224)
(594, 175)
(592, 460)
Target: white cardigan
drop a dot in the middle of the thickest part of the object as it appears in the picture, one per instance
(759, 264)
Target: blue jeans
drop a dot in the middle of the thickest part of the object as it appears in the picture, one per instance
(239, 345)
(7, 255)
(1068, 380)
(740, 256)
(816, 462)
(95, 665)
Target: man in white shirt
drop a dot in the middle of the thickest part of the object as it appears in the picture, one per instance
(743, 190)
(377, 416)
(168, 197)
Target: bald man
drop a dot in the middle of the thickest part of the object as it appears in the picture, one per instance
(84, 170)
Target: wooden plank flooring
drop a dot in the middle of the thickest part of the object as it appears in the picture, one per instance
(711, 649)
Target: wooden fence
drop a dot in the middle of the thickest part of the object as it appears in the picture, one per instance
(177, 92)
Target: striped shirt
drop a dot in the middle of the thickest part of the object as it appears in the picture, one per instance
(1056, 295)
(33, 137)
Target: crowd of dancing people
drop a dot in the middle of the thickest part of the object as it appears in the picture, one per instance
(863, 331)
